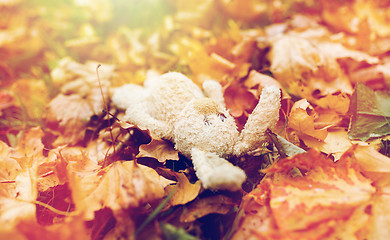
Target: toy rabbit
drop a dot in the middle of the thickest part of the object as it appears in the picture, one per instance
(174, 108)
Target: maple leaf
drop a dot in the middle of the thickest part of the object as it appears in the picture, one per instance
(377, 167)
(17, 191)
(307, 206)
(118, 186)
(370, 113)
(313, 62)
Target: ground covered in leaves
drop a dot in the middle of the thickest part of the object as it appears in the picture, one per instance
(70, 168)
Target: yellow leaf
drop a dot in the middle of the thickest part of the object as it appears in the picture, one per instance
(119, 186)
(336, 143)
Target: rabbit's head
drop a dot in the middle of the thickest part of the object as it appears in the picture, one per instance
(205, 125)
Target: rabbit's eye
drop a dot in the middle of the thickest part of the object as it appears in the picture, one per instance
(222, 117)
(206, 121)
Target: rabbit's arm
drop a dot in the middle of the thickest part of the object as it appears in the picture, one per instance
(264, 116)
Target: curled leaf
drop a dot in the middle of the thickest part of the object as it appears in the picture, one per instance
(301, 119)
(204, 206)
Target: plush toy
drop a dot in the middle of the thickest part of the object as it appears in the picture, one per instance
(174, 108)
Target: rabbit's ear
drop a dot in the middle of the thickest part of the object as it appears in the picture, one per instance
(264, 116)
(213, 90)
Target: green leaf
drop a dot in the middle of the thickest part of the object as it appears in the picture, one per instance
(370, 113)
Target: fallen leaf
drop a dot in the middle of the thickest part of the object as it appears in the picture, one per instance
(246, 11)
(72, 228)
(33, 95)
(339, 102)
(259, 81)
(70, 116)
(239, 100)
(370, 159)
(184, 190)
(159, 149)
(296, 58)
(336, 143)
(201, 207)
(120, 185)
(301, 119)
(310, 205)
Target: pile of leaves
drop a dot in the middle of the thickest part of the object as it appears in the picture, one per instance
(70, 168)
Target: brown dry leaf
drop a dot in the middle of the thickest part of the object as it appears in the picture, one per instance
(80, 98)
(258, 81)
(294, 58)
(312, 63)
(18, 179)
(30, 145)
(159, 149)
(17, 195)
(302, 118)
(327, 119)
(118, 186)
(69, 114)
(201, 207)
(239, 100)
(328, 201)
(7, 99)
(185, 191)
(47, 176)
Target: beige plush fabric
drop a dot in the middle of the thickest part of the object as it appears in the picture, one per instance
(172, 107)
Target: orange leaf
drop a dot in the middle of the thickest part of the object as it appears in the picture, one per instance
(185, 192)
(72, 229)
(301, 119)
(328, 198)
(239, 100)
(119, 186)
